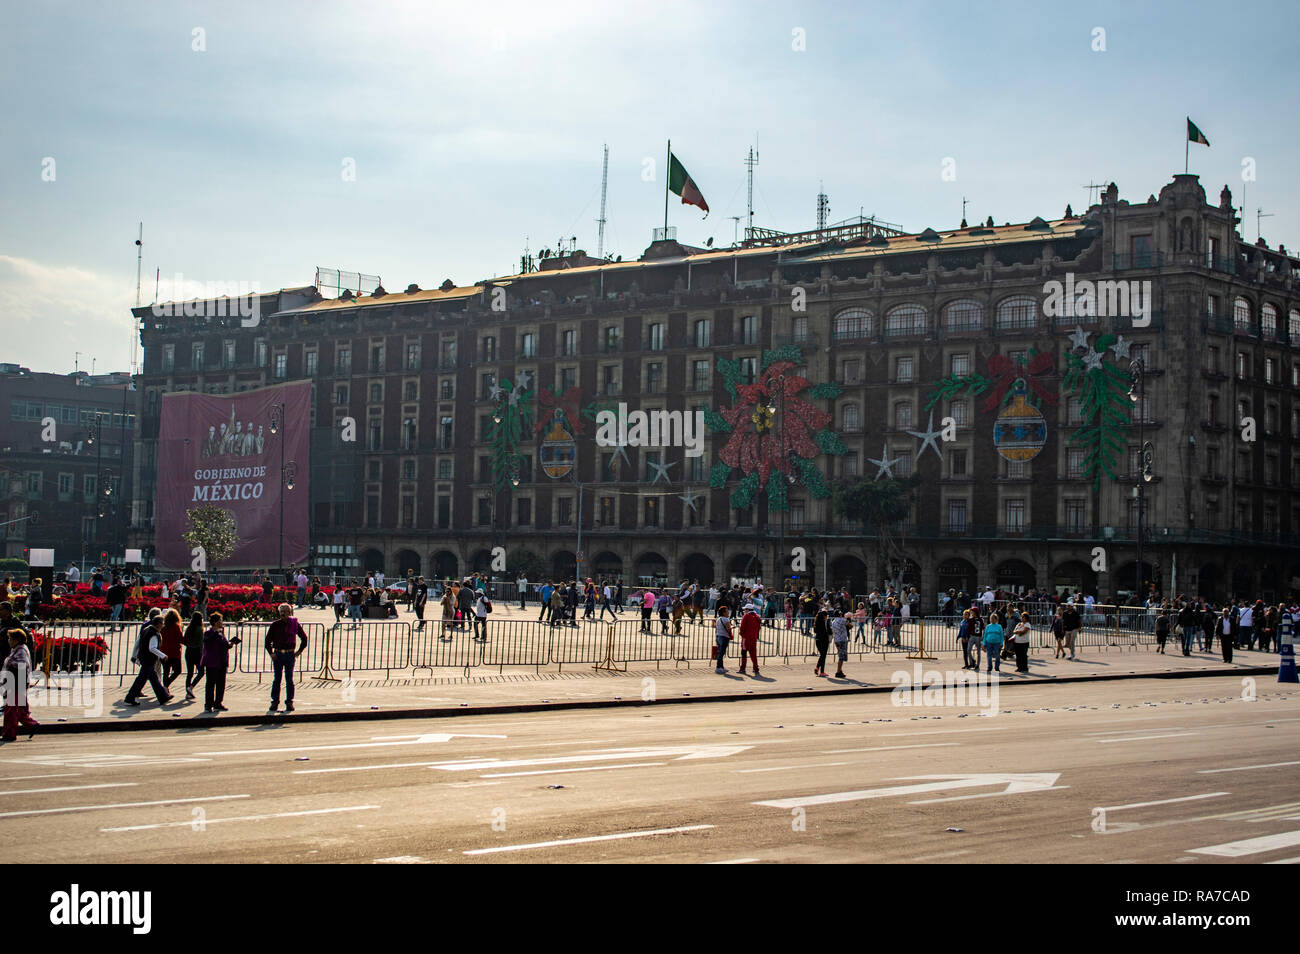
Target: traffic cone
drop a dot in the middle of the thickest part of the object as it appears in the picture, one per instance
(1286, 671)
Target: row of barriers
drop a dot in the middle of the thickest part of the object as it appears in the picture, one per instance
(396, 646)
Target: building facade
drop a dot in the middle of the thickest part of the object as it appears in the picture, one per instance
(67, 458)
(947, 354)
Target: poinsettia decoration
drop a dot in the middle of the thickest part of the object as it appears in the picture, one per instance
(762, 444)
(552, 400)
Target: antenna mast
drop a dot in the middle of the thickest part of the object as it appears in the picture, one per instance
(139, 264)
(823, 207)
(1260, 214)
(604, 183)
(750, 162)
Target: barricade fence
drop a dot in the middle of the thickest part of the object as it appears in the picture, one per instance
(399, 645)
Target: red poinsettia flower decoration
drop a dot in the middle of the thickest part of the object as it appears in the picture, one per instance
(1005, 373)
(760, 441)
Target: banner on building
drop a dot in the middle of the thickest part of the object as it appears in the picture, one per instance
(218, 451)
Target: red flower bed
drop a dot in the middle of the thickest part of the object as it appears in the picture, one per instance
(68, 653)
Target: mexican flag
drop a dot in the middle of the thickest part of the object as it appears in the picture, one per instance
(1194, 134)
(681, 183)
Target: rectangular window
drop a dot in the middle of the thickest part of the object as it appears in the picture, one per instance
(1212, 359)
(1074, 515)
(903, 414)
(1014, 515)
(413, 357)
(564, 511)
(609, 379)
(1270, 370)
(376, 357)
(903, 370)
(960, 412)
(568, 378)
(524, 511)
(852, 371)
(488, 348)
(227, 354)
(528, 345)
(65, 486)
(956, 516)
(613, 340)
(1074, 462)
(748, 370)
(608, 511)
(959, 364)
(700, 376)
(281, 364)
(703, 333)
(798, 329)
(372, 510)
(445, 433)
(444, 468)
(196, 356)
(447, 354)
(484, 512)
(1243, 365)
(341, 394)
(957, 463)
(797, 515)
(655, 337)
(408, 511)
(654, 377)
(309, 363)
(411, 391)
(748, 330)
(444, 512)
(569, 342)
(342, 360)
(408, 469)
(651, 511)
(849, 464)
(169, 357)
(1140, 248)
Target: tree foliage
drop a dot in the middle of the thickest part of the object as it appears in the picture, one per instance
(213, 529)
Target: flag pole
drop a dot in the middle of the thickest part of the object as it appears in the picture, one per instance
(1186, 149)
(668, 174)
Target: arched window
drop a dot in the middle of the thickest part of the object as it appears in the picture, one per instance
(905, 320)
(1241, 315)
(964, 315)
(849, 417)
(851, 323)
(1020, 311)
(1293, 327)
(1268, 322)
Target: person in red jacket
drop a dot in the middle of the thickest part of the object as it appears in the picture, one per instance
(170, 638)
(750, 624)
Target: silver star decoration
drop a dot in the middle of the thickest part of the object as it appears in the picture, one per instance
(661, 470)
(514, 398)
(928, 438)
(1079, 339)
(1120, 347)
(689, 499)
(494, 392)
(620, 450)
(1092, 360)
(884, 465)
(522, 383)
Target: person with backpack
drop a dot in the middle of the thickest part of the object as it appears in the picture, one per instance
(116, 598)
(557, 608)
(148, 655)
(1162, 630)
(482, 607)
(993, 636)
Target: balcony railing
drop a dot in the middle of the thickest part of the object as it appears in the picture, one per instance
(1127, 260)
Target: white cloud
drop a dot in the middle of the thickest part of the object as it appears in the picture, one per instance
(50, 311)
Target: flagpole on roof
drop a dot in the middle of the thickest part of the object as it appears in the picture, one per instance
(1187, 145)
(668, 174)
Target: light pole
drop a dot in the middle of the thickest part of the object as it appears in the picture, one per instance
(1137, 394)
(776, 408)
(288, 471)
(95, 436)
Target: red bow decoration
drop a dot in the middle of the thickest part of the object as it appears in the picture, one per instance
(566, 403)
(1005, 372)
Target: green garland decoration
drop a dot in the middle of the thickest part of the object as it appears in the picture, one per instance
(1105, 406)
(516, 422)
(973, 384)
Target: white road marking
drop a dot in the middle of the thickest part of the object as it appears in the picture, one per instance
(409, 740)
(1143, 738)
(26, 778)
(1243, 768)
(890, 748)
(944, 854)
(387, 765)
(787, 768)
(98, 808)
(1284, 861)
(402, 860)
(190, 823)
(1250, 846)
(70, 788)
(590, 768)
(734, 861)
(1165, 801)
(102, 760)
(587, 840)
(682, 753)
(1015, 783)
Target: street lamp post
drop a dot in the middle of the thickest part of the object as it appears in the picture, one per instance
(777, 408)
(95, 436)
(288, 470)
(1137, 394)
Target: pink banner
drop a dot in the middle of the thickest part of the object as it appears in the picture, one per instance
(218, 451)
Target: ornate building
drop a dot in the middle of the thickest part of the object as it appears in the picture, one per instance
(815, 358)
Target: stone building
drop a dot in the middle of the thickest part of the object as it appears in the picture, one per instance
(911, 329)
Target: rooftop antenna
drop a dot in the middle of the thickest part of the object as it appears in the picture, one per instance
(604, 183)
(750, 162)
(735, 219)
(823, 206)
(1260, 214)
(1093, 187)
(964, 202)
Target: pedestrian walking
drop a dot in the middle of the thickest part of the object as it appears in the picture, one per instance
(1058, 631)
(607, 602)
(750, 624)
(965, 635)
(216, 661)
(647, 606)
(1227, 629)
(34, 599)
(116, 598)
(282, 636)
(420, 599)
(1162, 630)
(722, 638)
(148, 654)
(664, 606)
(17, 668)
(192, 641)
(170, 637)
(840, 636)
(821, 639)
(860, 617)
(482, 607)
(1072, 623)
(993, 634)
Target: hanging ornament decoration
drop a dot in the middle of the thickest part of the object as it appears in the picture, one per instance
(512, 420)
(776, 432)
(559, 450)
(1020, 431)
(550, 400)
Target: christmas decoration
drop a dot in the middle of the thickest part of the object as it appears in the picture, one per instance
(956, 385)
(1020, 431)
(512, 420)
(1102, 389)
(1006, 371)
(775, 431)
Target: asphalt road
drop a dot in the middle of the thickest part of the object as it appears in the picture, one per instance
(1183, 772)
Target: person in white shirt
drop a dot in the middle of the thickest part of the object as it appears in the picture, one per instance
(713, 599)
(607, 602)
(481, 609)
(1245, 627)
(74, 575)
(301, 582)
(521, 585)
(987, 599)
(379, 578)
(339, 592)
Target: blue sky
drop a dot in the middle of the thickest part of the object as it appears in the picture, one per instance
(473, 126)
